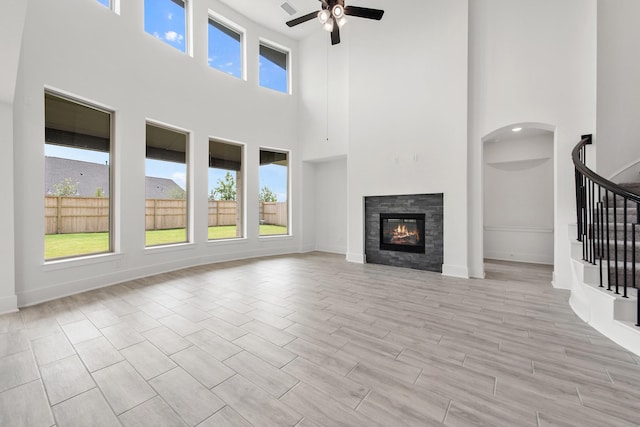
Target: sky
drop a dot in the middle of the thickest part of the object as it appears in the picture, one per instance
(165, 20)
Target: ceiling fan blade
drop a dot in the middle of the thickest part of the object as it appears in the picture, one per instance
(302, 19)
(335, 33)
(364, 12)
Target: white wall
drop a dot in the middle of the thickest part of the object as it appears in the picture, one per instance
(324, 97)
(7, 268)
(12, 18)
(331, 206)
(408, 114)
(518, 199)
(531, 61)
(618, 141)
(117, 65)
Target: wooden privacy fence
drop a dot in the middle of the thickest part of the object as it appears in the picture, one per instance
(76, 214)
(222, 212)
(165, 214)
(275, 213)
(71, 214)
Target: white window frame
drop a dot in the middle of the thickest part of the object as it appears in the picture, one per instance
(114, 219)
(288, 185)
(189, 220)
(235, 28)
(283, 49)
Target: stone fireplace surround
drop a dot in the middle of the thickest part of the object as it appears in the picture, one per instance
(429, 204)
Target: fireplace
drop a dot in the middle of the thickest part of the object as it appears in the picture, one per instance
(403, 232)
(419, 238)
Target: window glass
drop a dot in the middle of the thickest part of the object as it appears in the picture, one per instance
(274, 69)
(274, 193)
(225, 48)
(166, 186)
(77, 179)
(105, 3)
(167, 21)
(225, 191)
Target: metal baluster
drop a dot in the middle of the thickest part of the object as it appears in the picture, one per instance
(592, 194)
(600, 233)
(633, 269)
(585, 222)
(606, 201)
(615, 239)
(624, 269)
(578, 178)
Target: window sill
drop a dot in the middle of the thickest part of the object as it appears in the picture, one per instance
(60, 264)
(276, 237)
(169, 248)
(217, 242)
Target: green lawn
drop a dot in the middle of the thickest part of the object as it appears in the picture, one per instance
(67, 245)
(64, 245)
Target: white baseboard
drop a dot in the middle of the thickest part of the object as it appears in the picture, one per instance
(455, 271)
(37, 296)
(520, 257)
(332, 249)
(356, 257)
(308, 248)
(8, 304)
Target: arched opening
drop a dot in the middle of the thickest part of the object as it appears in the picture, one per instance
(518, 193)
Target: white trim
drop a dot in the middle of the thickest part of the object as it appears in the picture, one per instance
(613, 176)
(357, 258)
(37, 296)
(283, 49)
(333, 249)
(8, 304)
(243, 43)
(79, 261)
(455, 271)
(171, 247)
(510, 229)
(603, 310)
(546, 259)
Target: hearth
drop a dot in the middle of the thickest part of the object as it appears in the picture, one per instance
(403, 232)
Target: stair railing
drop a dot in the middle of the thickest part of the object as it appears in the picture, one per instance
(600, 203)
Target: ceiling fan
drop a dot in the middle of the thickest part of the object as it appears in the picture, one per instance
(332, 16)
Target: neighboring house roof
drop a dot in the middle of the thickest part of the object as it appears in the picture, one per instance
(160, 188)
(91, 176)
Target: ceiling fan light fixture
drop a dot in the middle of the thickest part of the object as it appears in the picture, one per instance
(328, 26)
(337, 11)
(342, 21)
(323, 16)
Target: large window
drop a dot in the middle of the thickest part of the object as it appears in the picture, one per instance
(78, 214)
(274, 193)
(166, 186)
(167, 20)
(226, 183)
(274, 69)
(225, 47)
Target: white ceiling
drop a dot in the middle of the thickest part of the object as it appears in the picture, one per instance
(270, 14)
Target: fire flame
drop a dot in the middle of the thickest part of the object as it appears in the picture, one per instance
(402, 232)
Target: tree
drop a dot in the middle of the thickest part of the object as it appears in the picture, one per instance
(266, 195)
(99, 192)
(177, 193)
(225, 190)
(66, 187)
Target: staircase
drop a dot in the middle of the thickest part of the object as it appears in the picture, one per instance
(616, 236)
(606, 254)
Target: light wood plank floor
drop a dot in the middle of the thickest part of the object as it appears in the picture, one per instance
(311, 340)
